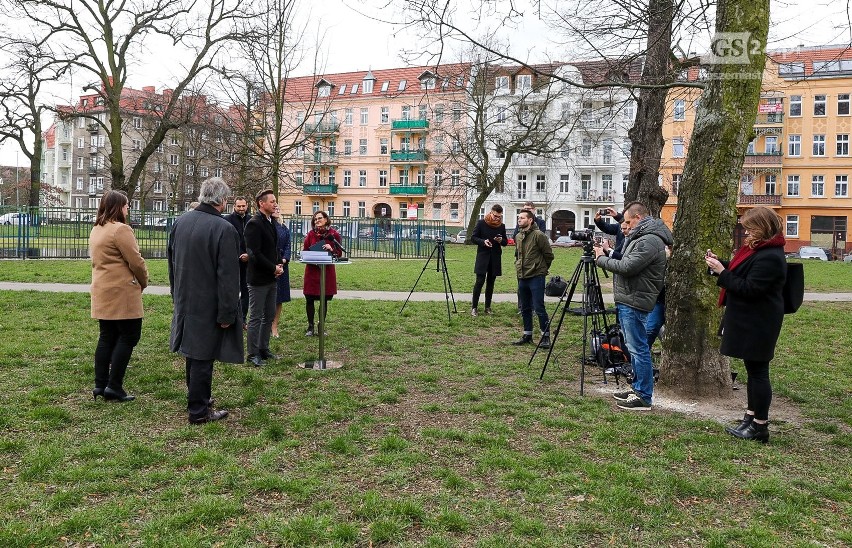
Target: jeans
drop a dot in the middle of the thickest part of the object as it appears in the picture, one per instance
(531, 294)
(115, 345)
(759, 389)
(655, 321)
(633, 323)
(261, 314)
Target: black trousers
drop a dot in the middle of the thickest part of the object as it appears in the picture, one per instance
(115, 345)
(310, 307)
(758, 389)
(199, 385)
(244, 295)
(487, 279)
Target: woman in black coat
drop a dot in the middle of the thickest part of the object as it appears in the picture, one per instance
(490, 237)
(752, 284)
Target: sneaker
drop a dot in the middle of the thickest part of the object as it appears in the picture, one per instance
(623, 394)
(487, 310)
(309, 332)
(634, 402)
(473, 312)
(544, 342)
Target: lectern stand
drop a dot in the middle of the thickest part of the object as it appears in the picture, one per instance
(321, 364)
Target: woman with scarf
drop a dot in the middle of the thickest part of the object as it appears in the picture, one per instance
(752, 284)
(321, 236)
(490, 237)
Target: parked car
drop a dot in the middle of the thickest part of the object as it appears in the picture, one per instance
(566, 241)
(372, 232)
(13, 218)
(811, 252)
(461, 236)
(510, 241)
(848, 258)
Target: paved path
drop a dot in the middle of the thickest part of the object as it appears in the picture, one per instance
(361, 295)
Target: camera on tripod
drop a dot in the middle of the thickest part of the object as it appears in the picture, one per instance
(587, 236)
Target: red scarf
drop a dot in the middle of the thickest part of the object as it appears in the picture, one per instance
(493, 221)
(745, 252)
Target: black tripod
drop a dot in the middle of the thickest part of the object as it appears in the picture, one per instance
(591, 306)
(441, 266)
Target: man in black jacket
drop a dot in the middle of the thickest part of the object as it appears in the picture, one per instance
(238, 219)
(264, 265)
(613, 229)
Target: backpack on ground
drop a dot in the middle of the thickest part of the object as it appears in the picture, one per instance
(555, 287)
(610, 352)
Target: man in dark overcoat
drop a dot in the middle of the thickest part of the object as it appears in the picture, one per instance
(205, 288)
(239, 218)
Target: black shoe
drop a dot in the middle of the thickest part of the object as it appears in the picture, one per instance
(488, 311)
(211, 416)
(526, 339)
(754, 431)
(747, 419)
(256, 360)
(115, 395)
(97, 391)
(544, 342)
(267, 355)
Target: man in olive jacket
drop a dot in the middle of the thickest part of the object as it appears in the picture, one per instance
(636, 285)
(533, 256)
(205, 289)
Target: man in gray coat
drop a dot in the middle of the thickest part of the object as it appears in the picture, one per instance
(636, 285)
(205, 289)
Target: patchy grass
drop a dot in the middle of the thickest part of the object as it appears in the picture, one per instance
(432, 434)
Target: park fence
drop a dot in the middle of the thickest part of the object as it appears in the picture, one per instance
(63, 233)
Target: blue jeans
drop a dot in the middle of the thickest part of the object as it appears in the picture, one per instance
(633, 323)
(531, 294)
(655, 321)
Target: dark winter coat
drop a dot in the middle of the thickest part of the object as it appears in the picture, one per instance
(754, 305)
(488, 259)
(262, 248)
(240, 224)
(312, 272)
(613, 229)
(283, 281)
(204, 282)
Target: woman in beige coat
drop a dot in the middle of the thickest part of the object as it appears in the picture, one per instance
(119, 275)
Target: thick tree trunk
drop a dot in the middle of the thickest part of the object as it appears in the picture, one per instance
(706, 212)
(646, 135)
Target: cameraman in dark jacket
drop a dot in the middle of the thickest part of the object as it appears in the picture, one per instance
(613, 229)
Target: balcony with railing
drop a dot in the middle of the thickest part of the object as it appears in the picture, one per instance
(409, 156)
(770, 119)
(759, 199)
(403, 189)
(774, 158)
(321, 158)
(596, 122)
(322, 128)
(595, 196)
(410, 125)
(326, 189)
(595, 160)
(531, 161)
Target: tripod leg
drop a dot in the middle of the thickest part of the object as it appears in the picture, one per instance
(448, 285)
(425, 266)
(567, 295)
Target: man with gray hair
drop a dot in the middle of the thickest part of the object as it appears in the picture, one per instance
(205, 286)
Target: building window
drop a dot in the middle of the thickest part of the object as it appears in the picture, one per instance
(174, 140)
(331, 209)
(792, 226)
(586, 147)
(501, 115)
(794, 145)
(362, 209)
(217, 172)
(818, 186)
(843, 104)
(346, 208)
(347, 147)
(137, 122)
(454, 211)
(190, 169)
(439, 178)
(564, 183)
(521, 193)
(436, 211)
(795, 105)
(347, 116)
(819, 105)
(384, 115)
(362, 177)
(455, 178)
(383, 177)
(841, 186)
(679, 110)
(315, 206)
(403, 177)
(316, 177)
(324, 91)
(422, 112)
(523, 82)
(79, 183)
(843, 144)
(457, 110)
(771, 145)
(501, 83)
(347, 177)
(332, 176)
(204, 172)
(676, 179)
(403, 210)
(606, 186)
(406, 112)
(159, 205)
(819, 145)
(299, 178)
(438, 145)
(81, 142)
(747, 184)
(364, 116)
(362, 147)
(173, 159)
(383, 146)
(677, 147)
(158, 187)
(769, 185)
(297, 207)
(541, 183)
(439, 112)
(421, 177)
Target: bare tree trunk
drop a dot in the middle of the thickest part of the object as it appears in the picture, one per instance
(706, 212)
(646, 135)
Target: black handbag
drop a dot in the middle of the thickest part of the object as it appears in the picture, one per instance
(555, 287)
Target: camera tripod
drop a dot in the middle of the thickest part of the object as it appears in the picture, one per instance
(591, 308)
(440, 266)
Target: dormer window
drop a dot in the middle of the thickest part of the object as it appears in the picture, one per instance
(501, 83)
(324, 88)
(401, 85)
(523, 82)
(369, 81)
(427, 80)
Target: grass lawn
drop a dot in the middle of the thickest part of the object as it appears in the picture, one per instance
(433, 434)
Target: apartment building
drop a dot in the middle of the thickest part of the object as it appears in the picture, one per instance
(57, 154)
(799, 161)
(376, 144)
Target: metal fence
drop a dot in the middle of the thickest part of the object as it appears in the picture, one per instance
(63, 233)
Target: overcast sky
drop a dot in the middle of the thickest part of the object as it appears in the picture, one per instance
(353, 41)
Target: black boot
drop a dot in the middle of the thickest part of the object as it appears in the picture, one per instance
(740, 427)
(545, 341)
(754, 431)
(526, 339)
(117, 395)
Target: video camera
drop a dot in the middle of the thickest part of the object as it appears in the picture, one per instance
(587, 236)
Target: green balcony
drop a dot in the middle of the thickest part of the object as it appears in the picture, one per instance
(409, 155)
(409, 125)
(321, 158)
(319, 190)
(321, 128)
(408, 190)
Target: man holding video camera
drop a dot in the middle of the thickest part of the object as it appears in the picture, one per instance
(636, 285)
